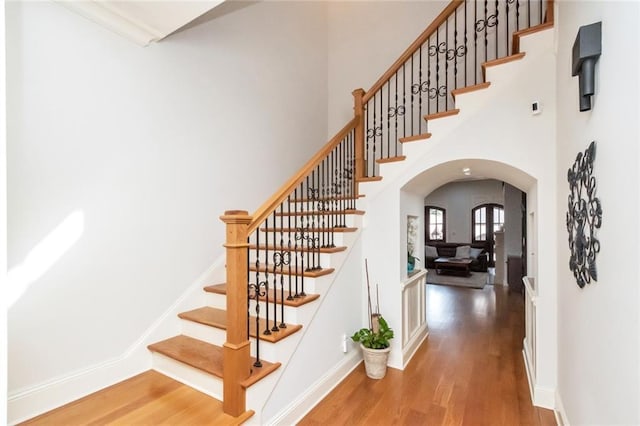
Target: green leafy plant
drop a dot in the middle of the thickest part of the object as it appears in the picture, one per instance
(371, 340)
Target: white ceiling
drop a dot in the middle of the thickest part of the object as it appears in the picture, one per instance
(142, 22)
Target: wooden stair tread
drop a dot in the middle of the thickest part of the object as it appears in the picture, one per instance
(441, 114)
(391, 159)
(469, 89)
(322, 213)
(531, 30)
(288, 270)
(271, 247)
(295, 302)
(206, 357)
(217, 318)
(369, 179)
(334, 229)
(500, 61)
(415, 138)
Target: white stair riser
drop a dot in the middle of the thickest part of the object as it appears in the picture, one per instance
(273, 352)
(197, 379)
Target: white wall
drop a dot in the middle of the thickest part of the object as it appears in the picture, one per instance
(148, 147)
(599, 326)
(458, 199)
(519, 153)
(3, 227)
(365, 38)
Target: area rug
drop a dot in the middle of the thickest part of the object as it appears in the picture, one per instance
(475, 280)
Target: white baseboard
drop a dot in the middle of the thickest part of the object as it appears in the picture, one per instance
(561, 414)
(316, 392)
(540, 395)
(23, 404)
(412, 346)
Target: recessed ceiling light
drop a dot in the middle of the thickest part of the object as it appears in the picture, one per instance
(466, 171)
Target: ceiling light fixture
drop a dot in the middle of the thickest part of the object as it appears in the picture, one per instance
(466, 171)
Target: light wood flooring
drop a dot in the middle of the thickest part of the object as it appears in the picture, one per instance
(470, 370)
(149, 398)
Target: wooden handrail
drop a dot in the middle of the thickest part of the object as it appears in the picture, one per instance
(412, 49)
(274, 201)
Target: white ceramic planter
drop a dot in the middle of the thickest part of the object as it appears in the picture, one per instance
(375, 361)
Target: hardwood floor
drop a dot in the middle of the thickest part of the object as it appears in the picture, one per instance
(149, 398)
(469, 371)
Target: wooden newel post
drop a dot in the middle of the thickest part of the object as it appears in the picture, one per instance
(236, 356)
(358, 109)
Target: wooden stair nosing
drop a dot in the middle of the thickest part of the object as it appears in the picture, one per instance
(441, 114)
(334, 229)
(291, 271)
(500, 61)
(469, 89)
(295, 302)
(369, 179)
(517, 35)
(415, 138)
(217, 318)
(206, 357)
(264, 247)
(322, 213)
(391, 159)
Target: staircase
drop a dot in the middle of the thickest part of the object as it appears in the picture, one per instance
(282, 260)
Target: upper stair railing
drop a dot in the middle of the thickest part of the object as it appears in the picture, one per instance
(270, 253)
(448, 55)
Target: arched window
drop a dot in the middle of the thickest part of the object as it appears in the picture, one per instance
(436, 224)
(485, 220)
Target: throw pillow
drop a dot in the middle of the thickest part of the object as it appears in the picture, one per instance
(462, 252)
(475, 252)
(430, 251)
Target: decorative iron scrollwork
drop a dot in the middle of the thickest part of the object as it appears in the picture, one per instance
(440, 91)
(440, 48)
(584, 216)
(420, 87)
(399, 111)
(372, 133)
(482, 24)
(458, 52)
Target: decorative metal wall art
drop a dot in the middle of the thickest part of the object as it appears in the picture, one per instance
(584, 216)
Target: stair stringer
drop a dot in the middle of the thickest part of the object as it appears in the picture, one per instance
(495, 135)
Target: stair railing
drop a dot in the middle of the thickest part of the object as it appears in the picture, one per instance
(448, 55)
(270, 253)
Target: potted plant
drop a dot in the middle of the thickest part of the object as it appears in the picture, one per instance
(375, 346)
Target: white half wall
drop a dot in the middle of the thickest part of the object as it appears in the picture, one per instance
(120, 161)
(599, 325)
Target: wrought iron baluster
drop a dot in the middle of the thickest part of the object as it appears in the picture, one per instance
(465, 43)
(412, 126)
(475, 44)
(517, 15)
(289, 246)
(388, 85)
(266, 274)
(298, 222)
(496, 25)
(507, 33)
(486, 42)
(278, 266)
(528, 13)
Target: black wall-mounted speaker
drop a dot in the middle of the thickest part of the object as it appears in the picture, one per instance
(586, 51)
